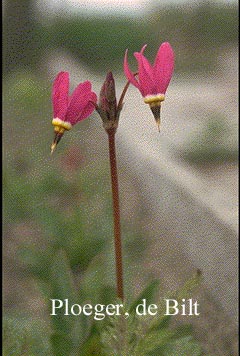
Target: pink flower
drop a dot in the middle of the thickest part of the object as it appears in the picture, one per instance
(68, 110)
(153, 80)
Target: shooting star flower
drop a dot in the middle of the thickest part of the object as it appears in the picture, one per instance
(153, 80)
(68, 110)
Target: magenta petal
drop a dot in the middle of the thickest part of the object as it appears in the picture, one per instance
(81, 90)
(163, 67)
(128, 73)
(79, 99)
(60, 95)
(145, 74)
(147, 66)
(89, 108)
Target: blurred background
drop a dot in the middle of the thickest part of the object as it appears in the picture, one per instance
(64, 201)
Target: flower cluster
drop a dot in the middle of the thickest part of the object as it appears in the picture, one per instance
(152, 83)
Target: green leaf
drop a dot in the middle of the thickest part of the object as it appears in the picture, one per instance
(183, 331)
(161, 322)
(96, 283)
(188, 288)
(61, 344)
(62, 288)
(153, 340)
(148, 294)
(182, 347)
(76, 327)
(92, 347)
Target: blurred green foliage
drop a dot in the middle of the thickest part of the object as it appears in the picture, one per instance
(84, 336)
(197, 32)
(154, 336)
(25, 336)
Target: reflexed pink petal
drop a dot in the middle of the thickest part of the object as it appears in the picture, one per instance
(146, 63)
(163, 67)
(60, 95)
(82, 90)
(128, 73)
(144, 74)
(88, 109)
(79, 99)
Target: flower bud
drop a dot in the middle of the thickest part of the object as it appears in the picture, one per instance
(107, 107)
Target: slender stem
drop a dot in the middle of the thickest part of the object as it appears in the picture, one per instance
(120, 103)
(116, 212)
